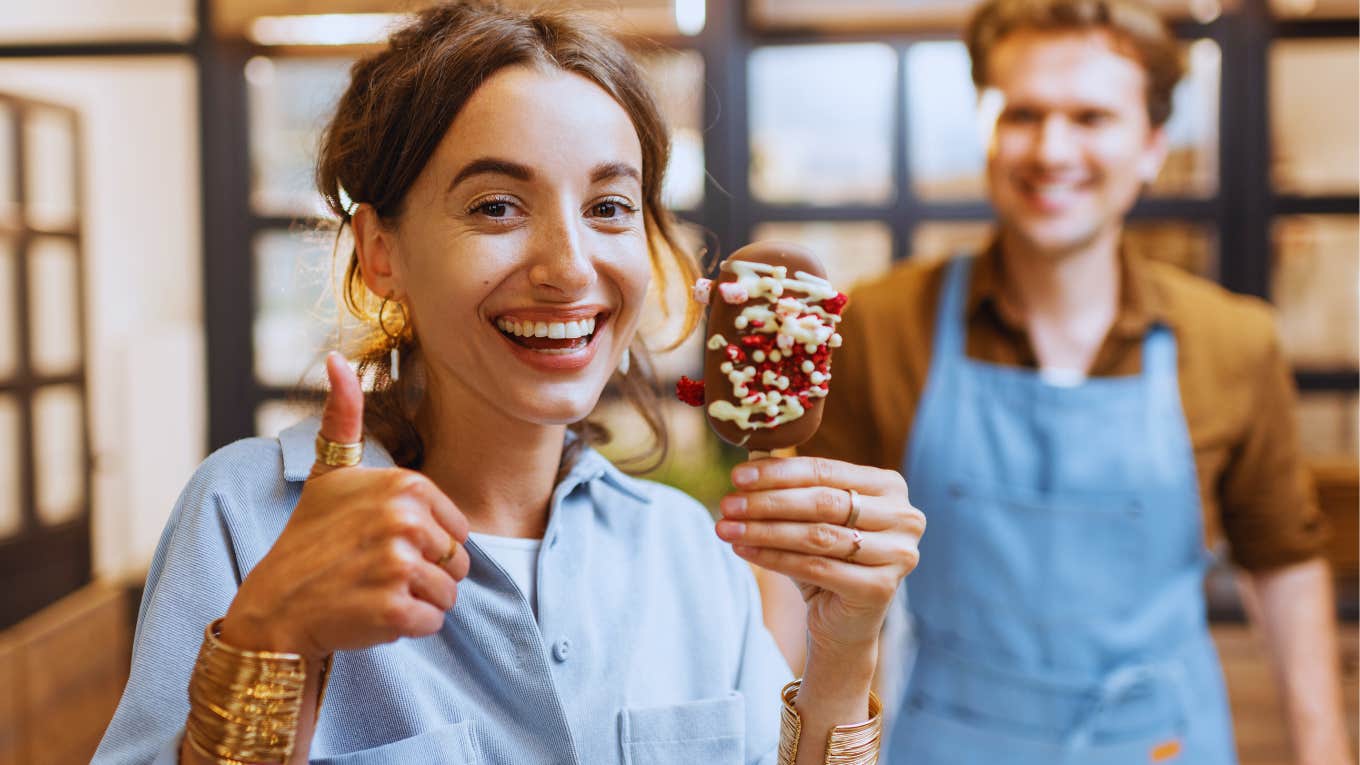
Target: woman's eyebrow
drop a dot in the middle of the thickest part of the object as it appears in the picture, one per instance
(611, 170)
(491, 166)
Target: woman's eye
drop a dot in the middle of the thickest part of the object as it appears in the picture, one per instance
(494, 209)
(610, 208)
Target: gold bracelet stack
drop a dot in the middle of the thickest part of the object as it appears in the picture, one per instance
(244, 705)
(854, 744)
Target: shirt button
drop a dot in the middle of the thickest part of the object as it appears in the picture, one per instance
(561, 649)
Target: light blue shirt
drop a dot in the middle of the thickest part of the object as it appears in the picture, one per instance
(648, 646)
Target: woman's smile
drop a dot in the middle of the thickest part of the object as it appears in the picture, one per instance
(553, 340)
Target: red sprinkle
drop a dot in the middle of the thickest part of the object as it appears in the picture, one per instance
(690, 391)
(836, 304)
(734, 354)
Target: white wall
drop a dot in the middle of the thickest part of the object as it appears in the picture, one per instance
(141, 217)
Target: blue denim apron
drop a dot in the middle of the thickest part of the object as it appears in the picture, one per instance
(1058, 610)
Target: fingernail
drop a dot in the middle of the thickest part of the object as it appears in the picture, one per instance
(743, 475)
(731, 529)
(733, 506)
(743, 551)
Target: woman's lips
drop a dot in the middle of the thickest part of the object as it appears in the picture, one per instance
(555, 354)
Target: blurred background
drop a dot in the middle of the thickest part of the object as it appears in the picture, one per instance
(165, 280)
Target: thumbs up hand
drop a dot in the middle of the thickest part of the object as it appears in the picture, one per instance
(368, 556)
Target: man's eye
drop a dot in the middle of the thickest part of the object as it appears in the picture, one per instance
(1020, 116)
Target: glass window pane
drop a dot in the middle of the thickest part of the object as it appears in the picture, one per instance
(71, 21)
(50, 168)
(839, 152)
(677, 80)
(1316, 9)
(876, 15)
(1191, 167)
(296, 315)
(1315, 115)
(289, 100)
(1328, 423)
(55, 301)
(1315, 284)
(59, 453)
(9, 212)
(9, 319)
(944, 135)
(273, 417)
(936, 240)
(1191, 246)
(946, 143)
(851, 252)
(11, 515)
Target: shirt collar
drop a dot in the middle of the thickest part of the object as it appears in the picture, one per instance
(591, 465)
(1140, 302)
(298, 444)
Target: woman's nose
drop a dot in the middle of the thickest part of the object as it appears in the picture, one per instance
(560, 260)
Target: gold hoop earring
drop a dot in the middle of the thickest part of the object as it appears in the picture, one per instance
(393, 338)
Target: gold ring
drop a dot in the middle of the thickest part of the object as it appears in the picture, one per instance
(858, 540)
(335, 454)
(854, 509)
(448, 556)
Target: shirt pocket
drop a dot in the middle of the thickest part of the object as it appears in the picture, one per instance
(711, 731)
(453, 744)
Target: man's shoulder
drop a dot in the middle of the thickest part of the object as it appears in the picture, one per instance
(1233, 327)
(906, 283)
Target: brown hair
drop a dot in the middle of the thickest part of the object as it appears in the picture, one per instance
(1136, 29)
(400, 102)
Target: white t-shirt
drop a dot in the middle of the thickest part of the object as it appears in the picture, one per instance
(519, 558)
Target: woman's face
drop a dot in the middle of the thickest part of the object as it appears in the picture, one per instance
(521, 251)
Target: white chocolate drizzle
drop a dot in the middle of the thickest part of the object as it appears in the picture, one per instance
(789, 311)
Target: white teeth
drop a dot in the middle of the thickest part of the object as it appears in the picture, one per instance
(556, 330)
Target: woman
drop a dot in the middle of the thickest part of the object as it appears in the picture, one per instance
(506, 171)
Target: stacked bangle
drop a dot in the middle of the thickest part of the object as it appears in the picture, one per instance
(853, 744)
(244, 705)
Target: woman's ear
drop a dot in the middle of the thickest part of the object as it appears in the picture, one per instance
(374, 246)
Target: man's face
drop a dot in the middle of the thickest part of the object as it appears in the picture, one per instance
(1073, 144)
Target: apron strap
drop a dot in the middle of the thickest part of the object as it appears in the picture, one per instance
(951, 320)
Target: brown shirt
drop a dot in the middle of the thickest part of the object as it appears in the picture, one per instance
(1236, 388)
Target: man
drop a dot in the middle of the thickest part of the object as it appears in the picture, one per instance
(1080, 424)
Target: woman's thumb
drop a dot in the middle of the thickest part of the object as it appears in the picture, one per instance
(342, 417)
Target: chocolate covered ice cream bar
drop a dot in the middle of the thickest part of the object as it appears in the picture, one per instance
(767, 363)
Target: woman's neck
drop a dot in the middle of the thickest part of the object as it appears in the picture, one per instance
(500, 472)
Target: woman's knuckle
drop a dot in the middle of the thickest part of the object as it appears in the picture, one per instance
(395, 614)
(817, 567)
(828, 502)
(822, 537)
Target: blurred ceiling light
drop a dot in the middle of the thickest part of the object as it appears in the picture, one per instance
(323, 29)
(690, 16)
(1206, 11)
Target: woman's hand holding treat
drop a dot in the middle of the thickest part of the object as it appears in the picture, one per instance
(368, 556)
(846, 534)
